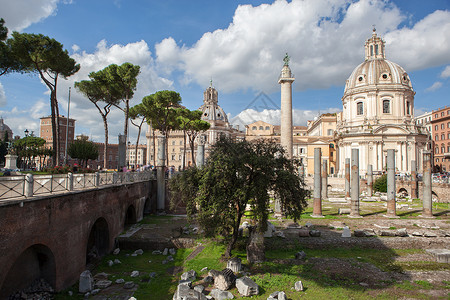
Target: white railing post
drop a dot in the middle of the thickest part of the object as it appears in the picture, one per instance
(97, 179)
(29, 181)
(114, 180)
(70, 182)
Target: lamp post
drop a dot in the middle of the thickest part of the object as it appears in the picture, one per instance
(26, 146)
(128, 154)
(67, 130)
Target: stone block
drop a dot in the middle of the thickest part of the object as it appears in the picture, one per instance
(282, 296)
(246, 287)
(346, 233)
(185, 292)
(189, 275)
(342, 211)
(235, 264)
(225, 280)
(300, 255)
(314, 233)
(303, 233)
(298, 286)
(86, 283)
(103, 284)
(221, 295)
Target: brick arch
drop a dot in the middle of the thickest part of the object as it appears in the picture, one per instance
(130, 215)
(35, 262)
(98, 240)
(403, 190)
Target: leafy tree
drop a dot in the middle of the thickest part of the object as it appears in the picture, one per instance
(239, 174)
(124, 80)
(190, 121)
(28, 148)
(380, 184)
(4, 148)
(8, 62)
(45, 56)
(159, 109)
(83, 150)
(103, 94)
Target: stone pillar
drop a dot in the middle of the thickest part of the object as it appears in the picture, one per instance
(161, 174)
(354, 188)
(427, 186)
(28, 189)
(286, 79)
(317, 205)
(347, 178)
(278, 211)
(414, 183)
(369, 181)
(391, 184)
(200, 160)
(122, 151)
(324, 179)
(115, 177)
(70, 182)
(96, 179)
(301, 171)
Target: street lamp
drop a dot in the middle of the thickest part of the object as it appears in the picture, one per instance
(26, 146)
(128, 155)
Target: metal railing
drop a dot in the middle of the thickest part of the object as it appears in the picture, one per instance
(33, 185)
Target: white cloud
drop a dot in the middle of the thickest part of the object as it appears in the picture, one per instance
(2, 96)
(75, 48)
(19, 14)
(18, 119)
(272, 116)
(88, 119)
(435, 86)
(324, 39)
(446, 72)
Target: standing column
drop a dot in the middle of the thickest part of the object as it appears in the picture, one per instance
(301, 171)
(347, 178)
(391, 184)
(354, 189)
(324, 179)
(414, 194)
(285, 80)
(201, 151)
(317, 205)
(427, 186)
(369, 181)
(161, 170)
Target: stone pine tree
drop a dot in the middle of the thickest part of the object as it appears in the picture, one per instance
(137, 120)
(42, 55)
(189, 121)
(237, 175)
(8, 62)
(103, 94)
(124, 78)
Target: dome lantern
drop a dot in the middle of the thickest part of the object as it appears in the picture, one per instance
(375, 47)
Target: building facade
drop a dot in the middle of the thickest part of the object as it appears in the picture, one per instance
(378, 114)
(440, 124)
(5, 131)
(45, 132)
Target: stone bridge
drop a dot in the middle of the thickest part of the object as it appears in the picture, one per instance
(54, 237)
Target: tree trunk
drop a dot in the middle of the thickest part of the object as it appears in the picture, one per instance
(58, 134)
(126, 112)
(105, 150)
(137, 142)
(235, 235)
(54, 136)
(154, 147)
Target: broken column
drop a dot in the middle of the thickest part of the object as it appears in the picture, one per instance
(347, 178)
(427, 186)
(391, 184)
(161, 170)
(414, 184)
(354, 188)
(317, 205)
(324, 179)
(369, 181)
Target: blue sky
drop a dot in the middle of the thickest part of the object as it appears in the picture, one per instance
(181, 45)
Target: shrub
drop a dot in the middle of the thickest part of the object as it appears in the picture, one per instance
(380, 184)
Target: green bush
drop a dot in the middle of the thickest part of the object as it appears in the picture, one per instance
(380, 184)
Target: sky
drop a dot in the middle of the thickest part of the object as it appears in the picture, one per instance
(239, 45)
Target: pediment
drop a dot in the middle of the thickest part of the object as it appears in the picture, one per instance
(391, 129)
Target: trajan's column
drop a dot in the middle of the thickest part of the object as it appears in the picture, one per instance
(286, 79)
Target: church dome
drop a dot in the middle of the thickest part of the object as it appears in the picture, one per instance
(376, 70)
(210, 108)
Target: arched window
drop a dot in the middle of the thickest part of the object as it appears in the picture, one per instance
(408, 108)
(436, 138)
(359, 108)
(254, 128)
(436, 150)
(261, 128)
(386, 106)
(267, 128)
(330, 132)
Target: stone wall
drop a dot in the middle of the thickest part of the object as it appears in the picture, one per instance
(51, 234)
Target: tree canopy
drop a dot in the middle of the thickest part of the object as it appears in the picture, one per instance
(83, 150)
(40, 54)
(8, 61)
(239, 174)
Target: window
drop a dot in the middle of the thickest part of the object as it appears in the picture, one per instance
(436, 127)
(371, 50)
(173, 157)
(448, 149)
(435, 115)
(330, 132)
(442, 137)
(437, 159)
(179, 157)
(359, 108)
(408, 108)
(181, 142)
(376, 49)
(442, 114)
(386, 106)
(254, 128)
(442, 126)
(173, 142)
(436, 150)
(436, 138)
(268, 128)
(448, 125)
(443, 149)
(261, 128)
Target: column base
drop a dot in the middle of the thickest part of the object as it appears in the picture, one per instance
(317, 216)
(391, 216)
(427, 216)
(355, 216)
